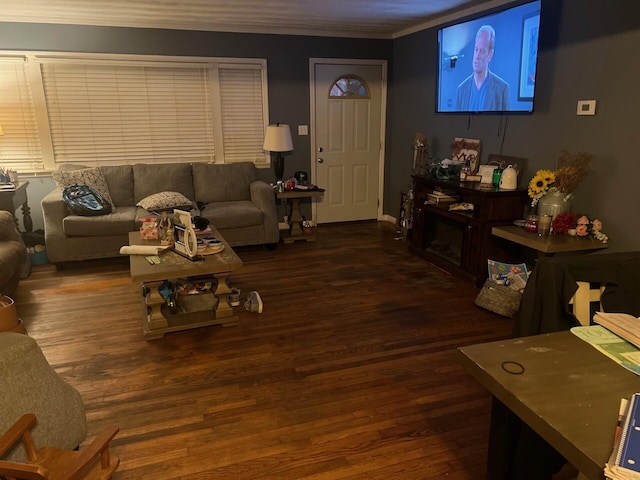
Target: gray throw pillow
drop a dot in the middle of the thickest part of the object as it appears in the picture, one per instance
(165, 201)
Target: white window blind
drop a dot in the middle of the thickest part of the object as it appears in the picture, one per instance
(20, 145)
(105, 112)
(241, 107)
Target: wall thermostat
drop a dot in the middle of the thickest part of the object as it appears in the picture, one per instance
(586, 107)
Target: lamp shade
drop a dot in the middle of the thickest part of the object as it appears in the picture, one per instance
(1, 131)
(277, 138)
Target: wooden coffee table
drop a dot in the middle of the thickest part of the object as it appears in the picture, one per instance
(193, 311)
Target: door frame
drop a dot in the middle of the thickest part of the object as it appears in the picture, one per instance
(383, 125)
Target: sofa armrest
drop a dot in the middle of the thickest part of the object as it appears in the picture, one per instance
(8, 230)
(54, 210)
(53, 205)
(263, 197)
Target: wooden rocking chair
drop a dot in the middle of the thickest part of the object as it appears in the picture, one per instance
(51, 463)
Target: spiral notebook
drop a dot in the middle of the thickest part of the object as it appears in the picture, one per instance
(628, 455)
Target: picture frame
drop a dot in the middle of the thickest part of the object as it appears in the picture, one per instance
(528, 55)
(466, 149)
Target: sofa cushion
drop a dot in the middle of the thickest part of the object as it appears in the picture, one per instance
(68, 174)
(120, 221)
(120, 182)
(223, 183)
(149, 179)
(165, 201)
(240, 214)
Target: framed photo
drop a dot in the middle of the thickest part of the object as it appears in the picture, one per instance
(464, 149)
(528, 55)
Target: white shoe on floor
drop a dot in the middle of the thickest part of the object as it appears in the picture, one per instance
(254, 302)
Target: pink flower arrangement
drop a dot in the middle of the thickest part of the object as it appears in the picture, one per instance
(569, 223)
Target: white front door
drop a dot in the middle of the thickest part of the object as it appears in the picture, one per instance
(347, 140)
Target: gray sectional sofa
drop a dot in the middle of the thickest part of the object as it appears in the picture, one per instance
(230, 196)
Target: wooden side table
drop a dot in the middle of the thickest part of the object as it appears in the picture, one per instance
(11, 200)
(549, 245)
(293, 197)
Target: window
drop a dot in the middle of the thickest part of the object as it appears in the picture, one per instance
(349, 86)
(106, 109)
(20, 144)
(242, 116)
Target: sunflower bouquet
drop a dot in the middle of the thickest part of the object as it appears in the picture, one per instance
(572, 169)
(540, 184)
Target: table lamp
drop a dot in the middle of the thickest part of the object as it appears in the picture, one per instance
(277, 139)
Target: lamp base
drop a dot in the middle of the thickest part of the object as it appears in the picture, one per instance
(278, 165)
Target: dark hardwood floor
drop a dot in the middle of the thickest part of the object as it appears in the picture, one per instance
(349, 373)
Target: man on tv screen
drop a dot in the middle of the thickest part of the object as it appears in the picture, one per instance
(483, 89)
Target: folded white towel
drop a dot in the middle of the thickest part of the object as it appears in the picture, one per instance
(142, 249)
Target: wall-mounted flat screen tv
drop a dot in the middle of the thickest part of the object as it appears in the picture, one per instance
(488, 63)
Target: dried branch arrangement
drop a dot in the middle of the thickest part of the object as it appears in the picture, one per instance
(572, 169)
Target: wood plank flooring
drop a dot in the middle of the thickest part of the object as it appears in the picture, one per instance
(349, 373)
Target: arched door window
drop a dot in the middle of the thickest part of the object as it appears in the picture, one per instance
(349, 86)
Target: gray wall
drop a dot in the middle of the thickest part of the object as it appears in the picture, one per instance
(589, 50)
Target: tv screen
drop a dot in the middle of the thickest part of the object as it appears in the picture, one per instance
(488, 64)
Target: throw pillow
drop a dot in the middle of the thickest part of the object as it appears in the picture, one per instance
(165, 201)
(91, 177)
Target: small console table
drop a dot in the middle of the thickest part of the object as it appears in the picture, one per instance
(295, 231)
(11, 200)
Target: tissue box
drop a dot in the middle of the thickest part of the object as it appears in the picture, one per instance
(148, 229)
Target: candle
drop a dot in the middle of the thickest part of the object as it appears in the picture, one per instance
(544, 225)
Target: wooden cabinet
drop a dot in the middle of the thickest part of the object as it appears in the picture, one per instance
(461, 242)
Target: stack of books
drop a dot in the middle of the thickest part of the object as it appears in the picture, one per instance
(7, 187)
(622, 324)
(624, 463)
(438, 197)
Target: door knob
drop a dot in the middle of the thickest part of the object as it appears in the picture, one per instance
(320, 160)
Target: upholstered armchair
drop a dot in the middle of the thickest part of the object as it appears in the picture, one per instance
(13, 254)
(28, 384)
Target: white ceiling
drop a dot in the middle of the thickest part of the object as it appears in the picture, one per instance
(349, 18)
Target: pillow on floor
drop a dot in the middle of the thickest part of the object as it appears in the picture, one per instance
(165, 201)
(92, 177)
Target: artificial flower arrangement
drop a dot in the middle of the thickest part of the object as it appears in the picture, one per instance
(573, 168)
(569, 223)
